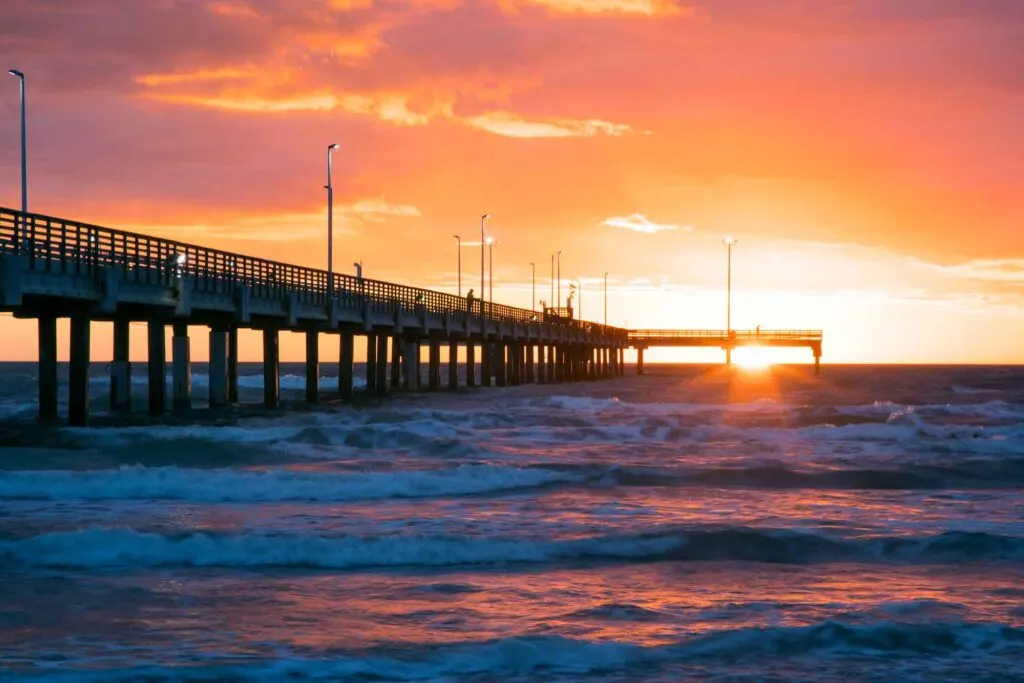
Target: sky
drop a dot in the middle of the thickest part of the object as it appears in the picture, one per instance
(867, 154)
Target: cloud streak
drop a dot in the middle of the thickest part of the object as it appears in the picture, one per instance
(638, 222)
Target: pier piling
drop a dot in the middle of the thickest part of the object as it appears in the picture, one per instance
(78, 382)
(121, 369)
(47, 367)
(156, 367)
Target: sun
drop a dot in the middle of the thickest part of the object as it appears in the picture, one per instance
(753, 357)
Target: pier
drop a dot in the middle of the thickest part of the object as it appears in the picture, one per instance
(54, 268)
(727, 340)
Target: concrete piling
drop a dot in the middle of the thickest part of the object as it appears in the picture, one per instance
(78, 381)
(47, 367)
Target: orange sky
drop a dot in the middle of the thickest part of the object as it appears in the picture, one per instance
(866, 153)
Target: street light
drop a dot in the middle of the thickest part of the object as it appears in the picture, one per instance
(553, 299)
(459, 239)
(606, 299)
(483, 247)
(490, 249)
(24, 162)
(533, 290)
(330, 223)
(728, 242)
(559, 299)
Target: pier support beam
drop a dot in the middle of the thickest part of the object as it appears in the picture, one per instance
(371, 364)
(47, 367)
(453, 365)
(271, 369)
(218, 367)
(181, 358)
(639, 361)
(411, 365)
(434, 366)
(531, 372)
(78, 382)
(485, 363)
(470, 364)
(232, 364)
(817, 363)
(157, 367)
(121, 369)
(346, 355)
(312, 366)
(728, 356)
(396, 362)
(382, 364)
(500, 364)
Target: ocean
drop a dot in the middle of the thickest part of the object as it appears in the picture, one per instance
(695, 523)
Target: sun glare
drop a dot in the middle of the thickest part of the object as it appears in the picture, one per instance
(753, 357)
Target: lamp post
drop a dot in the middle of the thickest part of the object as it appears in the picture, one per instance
(729, 242)
(559, 299)
(330, 223)
(459, 240)
(24, 163)
(533, 288)
(606, 299)
(490, 249)
(553, 299)
(483, 247)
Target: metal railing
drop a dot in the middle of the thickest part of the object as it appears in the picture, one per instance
(726, 335)
(56, 245)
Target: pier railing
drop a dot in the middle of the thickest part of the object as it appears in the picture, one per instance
(726, 335)
(57, 245)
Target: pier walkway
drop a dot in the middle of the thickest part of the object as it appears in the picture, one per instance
(727, 340)
(54, 268)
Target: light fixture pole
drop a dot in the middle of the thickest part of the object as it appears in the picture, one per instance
(606, 299)
(24, 164)
(533, 288)
(490, 267)
(483, 247)
(553, 299)
(459, 240)
(330, 223)
(559, 278)
(728, 242)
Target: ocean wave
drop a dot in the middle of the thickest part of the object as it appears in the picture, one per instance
(531, 656)
(135, 482)
(969, 474)
(103, 547)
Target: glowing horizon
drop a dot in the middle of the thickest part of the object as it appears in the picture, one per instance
(869, 181)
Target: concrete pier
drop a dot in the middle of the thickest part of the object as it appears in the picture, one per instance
(382, 364)
(181, 385)
(500, 364)
(371, 364)
(396, 362)
(312, 366)
(47, 367)
(232, 364)
(271, 368)
(346, 356)
(411, 365)
(78, 381)
(453, 365)
(121, 369)
(434, 366)
(470, 364)
(157, 367)
(639, 361)
(218, 367)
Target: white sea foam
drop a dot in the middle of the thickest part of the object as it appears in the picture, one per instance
(173, 483)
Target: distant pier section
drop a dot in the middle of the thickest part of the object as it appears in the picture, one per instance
(54, 268)
(727, 340)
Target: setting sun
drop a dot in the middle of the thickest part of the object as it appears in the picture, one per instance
(753, 357)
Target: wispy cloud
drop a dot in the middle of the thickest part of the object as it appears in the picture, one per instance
(515, 126)
(638, 222)
(646, 7)
(287, 227)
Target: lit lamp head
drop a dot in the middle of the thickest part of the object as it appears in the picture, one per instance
(333, 145)
(729, 241)
(489, 241)
(16, 73)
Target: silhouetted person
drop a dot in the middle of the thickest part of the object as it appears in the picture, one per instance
(469, 301)
(758, 330)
